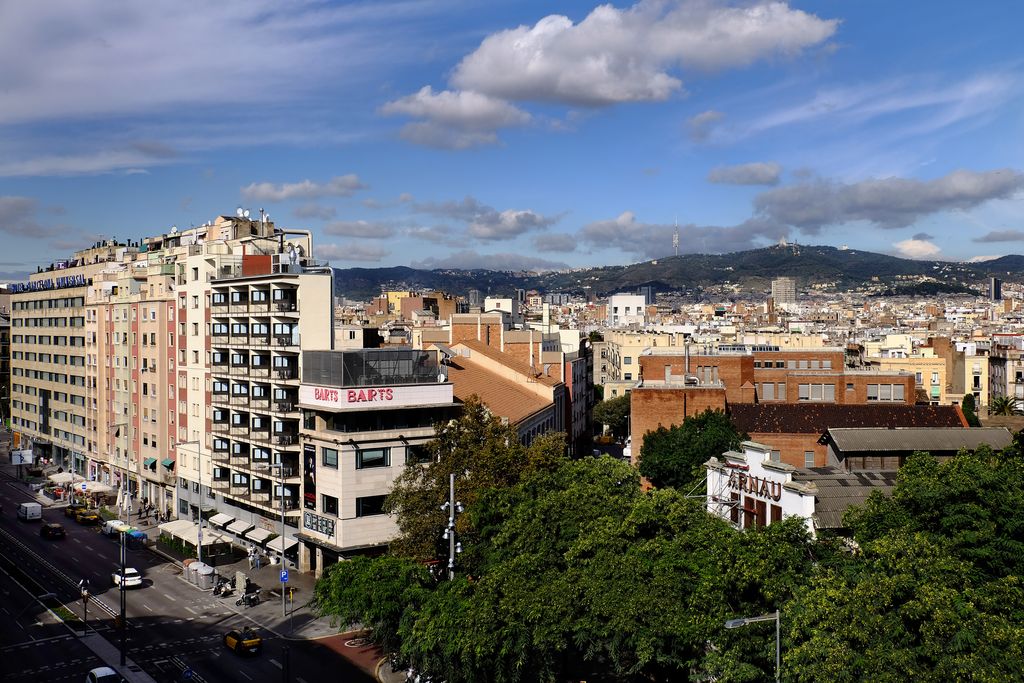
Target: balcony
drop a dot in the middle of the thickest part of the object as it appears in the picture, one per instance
(286, 439)
(238, 459)
(284, 406)
(259, 371)
(239, 370)
(220, 428)
(221, 485)
(286, 306)
(239, 430)
(260, 497)
(285, 373)
(240, 400)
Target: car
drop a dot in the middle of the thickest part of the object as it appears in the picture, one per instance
(88, 517)
(103, 674)
(51, 530)
(113, 527)
(73, 509)
(243, 641)
(132, 577)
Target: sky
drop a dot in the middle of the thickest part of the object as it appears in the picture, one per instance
(515, 135)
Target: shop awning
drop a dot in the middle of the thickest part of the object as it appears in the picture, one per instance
(97, 487)
(239, 527)
(167, 462)
(259, 535)
(220, 519)
(65, 478)
(149, 462)
(189, 531)
(275, 544)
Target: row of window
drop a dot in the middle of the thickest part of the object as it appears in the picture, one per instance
(806, 364)
(38, 304)
(366, 506)
(47, 340)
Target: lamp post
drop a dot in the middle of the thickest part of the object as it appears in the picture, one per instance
(199, 457)
(280, 495)
(771, 616)
(453, 507)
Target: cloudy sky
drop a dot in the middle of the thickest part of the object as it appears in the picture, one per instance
(509, 135)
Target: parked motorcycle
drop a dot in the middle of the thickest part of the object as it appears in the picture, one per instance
(223, 588)
(249, 599)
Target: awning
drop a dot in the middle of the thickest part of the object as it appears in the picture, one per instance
(259, 535)
(97, 487)
(220, 519)
(149, 462)
(189, 532)
(65, 478)
(239, 527)
(167, 462)
(275, 544)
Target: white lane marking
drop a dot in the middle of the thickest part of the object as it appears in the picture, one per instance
(169, 597)
(191, 610)
(245, 674)
(300, 680)
(147, 607)
(276, 663)
(75, 539)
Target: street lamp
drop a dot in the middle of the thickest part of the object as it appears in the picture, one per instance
(199, 457)
(280, 496)
(771, 616)
(452, 507)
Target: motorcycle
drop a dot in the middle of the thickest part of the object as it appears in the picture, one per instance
(223, 588)
(249, 599)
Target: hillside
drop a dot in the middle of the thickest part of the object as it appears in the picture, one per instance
(750, 270)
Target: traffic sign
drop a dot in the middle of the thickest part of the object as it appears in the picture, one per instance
(83, 487)
(284, 576)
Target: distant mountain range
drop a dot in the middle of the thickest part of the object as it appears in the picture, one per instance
(751, 271)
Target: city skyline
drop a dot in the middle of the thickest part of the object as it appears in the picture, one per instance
(511, 136)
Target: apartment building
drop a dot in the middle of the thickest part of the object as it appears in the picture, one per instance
(367, 414)
(625, 310)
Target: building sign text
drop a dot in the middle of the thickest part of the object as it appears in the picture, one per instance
(740, 481)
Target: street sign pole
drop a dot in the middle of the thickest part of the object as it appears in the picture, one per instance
(284, 585)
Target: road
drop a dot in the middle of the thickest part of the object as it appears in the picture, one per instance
(173, 626)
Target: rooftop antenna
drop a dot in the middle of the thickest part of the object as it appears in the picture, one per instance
(675, 237)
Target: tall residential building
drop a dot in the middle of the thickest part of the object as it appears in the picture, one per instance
(784, 290)
(995, 289)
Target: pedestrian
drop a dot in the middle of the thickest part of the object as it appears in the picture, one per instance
(256, 555)
(252, 558)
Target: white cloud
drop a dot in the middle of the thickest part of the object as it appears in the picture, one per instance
(488, 224)
(702, 125)
(351, 252)
(454, 120)
(886, 202)
(557, 243)
(1001, 236)
(363, 229)
(83, 163)
(654, 240)
(471, 260)
(627, 55)
(919, 249)
(18, 217)
(758, 173)
(339, 186)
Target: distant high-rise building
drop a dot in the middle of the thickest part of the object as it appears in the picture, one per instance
(475, 299)
(784, 290)
(647, 292)
(995, 289)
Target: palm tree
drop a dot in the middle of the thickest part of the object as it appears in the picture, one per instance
(1004, 405)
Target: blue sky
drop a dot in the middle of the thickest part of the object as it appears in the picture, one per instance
(515, 134)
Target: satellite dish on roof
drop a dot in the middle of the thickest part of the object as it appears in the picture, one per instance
(174, 229)
(238, 212)
(246, 213)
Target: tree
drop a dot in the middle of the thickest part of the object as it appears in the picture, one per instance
(676, 456)
(970, 411)
(484, 454)
(613, 412)
(1004, 405)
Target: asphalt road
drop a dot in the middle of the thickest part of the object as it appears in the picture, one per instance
(173, 626)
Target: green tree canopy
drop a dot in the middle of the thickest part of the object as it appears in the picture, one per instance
(1004, 405)
(613, 412)
(676, 456)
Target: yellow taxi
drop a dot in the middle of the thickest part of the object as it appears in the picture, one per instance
(88, 517)
(243, 641)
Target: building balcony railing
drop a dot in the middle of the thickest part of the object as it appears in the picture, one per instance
(240, 430)
(220, 427)
(260, 497)
(239, 370)
(239, 459)
(240, 400)
(261, 371)
(221, 485)
(257, 308)
(236, 307)
(285, 373)
(286, 306)
(284, 406)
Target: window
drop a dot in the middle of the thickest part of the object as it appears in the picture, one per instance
(328, 505)
(416, 455)
(918, 378)
(817, 392)
(370, 505)
(886, 392)
(373, 457)
(849, 386)
(329, 457)
(808, 458)
(935, 378)
(627, 376)
(627, 360)
(776, 513)
(768, 391)
(826, 364)
(776, 456)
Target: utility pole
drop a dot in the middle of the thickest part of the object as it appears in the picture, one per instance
(124, 607)
(453, 507)
(83, 585)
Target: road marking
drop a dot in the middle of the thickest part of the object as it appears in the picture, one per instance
(147, 607)
(75, 539)
(245, 674)
(300, 680)
(191, 610)
(276, 663)
(169, 597)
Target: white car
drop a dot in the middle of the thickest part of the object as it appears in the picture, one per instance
(132, 577)
(103, 674)
(112, 527)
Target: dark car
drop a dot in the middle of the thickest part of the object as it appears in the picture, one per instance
(243, 641)
(50, 530)
(73, 509)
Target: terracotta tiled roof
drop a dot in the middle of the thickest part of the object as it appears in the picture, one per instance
(815, 418)
(502, 397)
(510, 362)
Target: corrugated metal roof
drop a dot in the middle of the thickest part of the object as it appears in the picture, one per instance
(915, 439)
(810, 418)
(838, 491)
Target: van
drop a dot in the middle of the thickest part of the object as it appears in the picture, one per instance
(30, 511)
